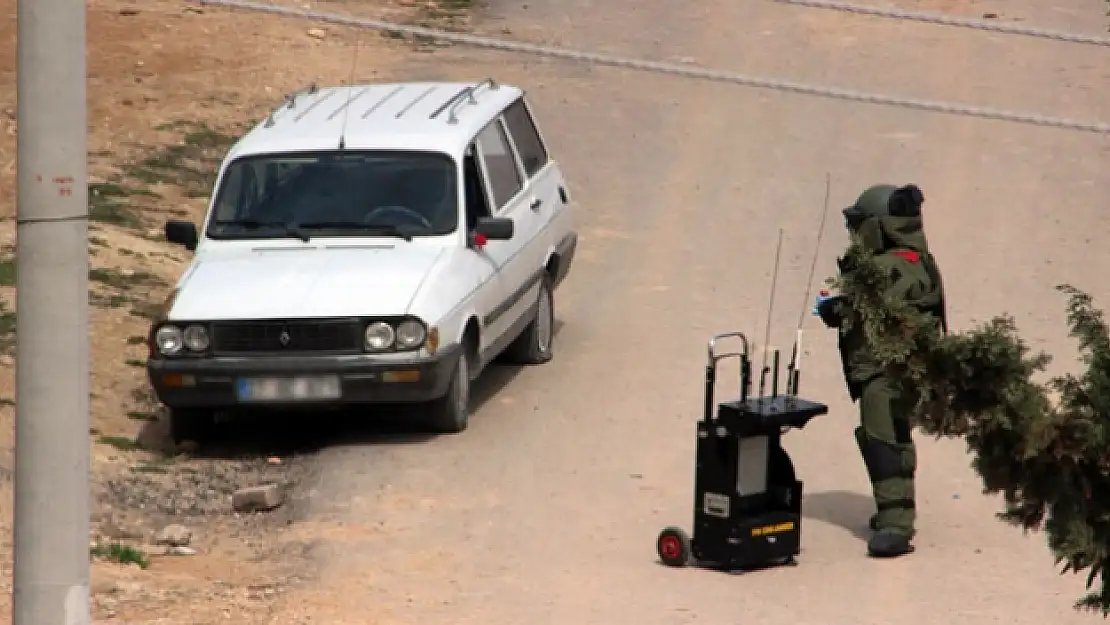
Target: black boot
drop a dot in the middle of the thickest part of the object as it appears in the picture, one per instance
(889, 544)
(873, 522)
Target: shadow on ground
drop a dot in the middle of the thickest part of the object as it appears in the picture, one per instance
(845, 509)
(254, 434)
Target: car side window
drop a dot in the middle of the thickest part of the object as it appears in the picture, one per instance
(526, 136)
(477, 206)
(500, 164)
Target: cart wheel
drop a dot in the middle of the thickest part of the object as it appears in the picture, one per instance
(673, 547)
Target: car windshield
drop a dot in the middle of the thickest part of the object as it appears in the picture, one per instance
(349, 193)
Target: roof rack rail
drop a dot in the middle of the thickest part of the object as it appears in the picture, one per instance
(290, 101)
(462, 98)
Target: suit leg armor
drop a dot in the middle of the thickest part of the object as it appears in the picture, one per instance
(889, 454)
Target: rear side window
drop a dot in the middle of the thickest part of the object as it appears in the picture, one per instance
(533, 155)
(501, 170)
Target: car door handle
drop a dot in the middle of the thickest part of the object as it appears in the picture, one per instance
(536, 204)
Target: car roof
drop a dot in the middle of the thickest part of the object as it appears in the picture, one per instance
(425, 116)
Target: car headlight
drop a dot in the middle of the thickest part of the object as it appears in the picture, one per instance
(410, 334)
(196, 338)
(379, 336)
(169, 339)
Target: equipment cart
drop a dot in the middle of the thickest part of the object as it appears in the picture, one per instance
(747, 500)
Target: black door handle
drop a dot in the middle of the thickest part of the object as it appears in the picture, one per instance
(536, 203)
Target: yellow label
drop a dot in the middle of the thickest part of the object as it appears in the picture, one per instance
(773, 529)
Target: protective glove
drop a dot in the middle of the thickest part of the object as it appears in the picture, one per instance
(826, 308)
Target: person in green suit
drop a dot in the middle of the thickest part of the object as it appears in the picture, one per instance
(886, 221)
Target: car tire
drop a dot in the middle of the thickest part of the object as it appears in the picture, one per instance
(534, 345)
(197, 425)
(450, 414)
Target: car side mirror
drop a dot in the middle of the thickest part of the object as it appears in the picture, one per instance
(183, 233)
(492, 229)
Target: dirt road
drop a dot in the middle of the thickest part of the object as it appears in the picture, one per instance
(546, 510)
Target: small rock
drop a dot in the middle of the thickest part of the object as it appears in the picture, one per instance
(990, 16)
(273, 460)
(317, 33)
(193, 9)
(181, 550)
(174, 536)
(257, 498)
(128, 11)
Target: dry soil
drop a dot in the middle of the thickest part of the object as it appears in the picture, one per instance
(547, 508)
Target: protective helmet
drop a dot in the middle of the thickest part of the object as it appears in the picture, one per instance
(883, 200)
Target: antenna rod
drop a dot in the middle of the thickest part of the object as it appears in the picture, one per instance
(794, 369)
(775, 375)
(816, 249)
(770, 311)
(350, 86)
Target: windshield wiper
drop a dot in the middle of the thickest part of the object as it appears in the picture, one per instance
(390, 231)
(290, 229)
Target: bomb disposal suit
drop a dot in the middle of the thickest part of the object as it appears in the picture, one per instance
(886, 221)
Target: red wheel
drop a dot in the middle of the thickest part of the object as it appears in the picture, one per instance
(673, 547)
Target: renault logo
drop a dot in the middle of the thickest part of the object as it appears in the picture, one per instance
(284, 338)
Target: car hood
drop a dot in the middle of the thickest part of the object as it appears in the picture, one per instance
(313, 282)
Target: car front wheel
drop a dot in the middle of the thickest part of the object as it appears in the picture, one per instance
(450, 414)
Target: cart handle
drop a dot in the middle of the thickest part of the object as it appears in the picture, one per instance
(711, 370)
(714, 356)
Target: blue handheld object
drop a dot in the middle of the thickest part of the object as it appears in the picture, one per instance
(822, 297)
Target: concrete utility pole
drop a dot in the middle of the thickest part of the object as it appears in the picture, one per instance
(52, 366)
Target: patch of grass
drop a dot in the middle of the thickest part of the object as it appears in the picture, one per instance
(121, 443)
(120, 280)
(136, 340)
(7, 401)
(123, 251)
(134, 362)
(7, 328)
(120, 554)
(105, 205)
(139, 415)
(115, 300)
(177, 124)
(97, 241)
(448, 15)
(190, 165)
(146, 310)
(7, 272)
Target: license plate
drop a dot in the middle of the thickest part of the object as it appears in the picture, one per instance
(297, 388)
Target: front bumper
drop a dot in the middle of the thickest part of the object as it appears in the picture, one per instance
(364, 379)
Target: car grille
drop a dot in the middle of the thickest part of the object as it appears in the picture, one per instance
(289, 337)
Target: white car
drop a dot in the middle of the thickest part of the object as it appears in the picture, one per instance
(367, 244)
